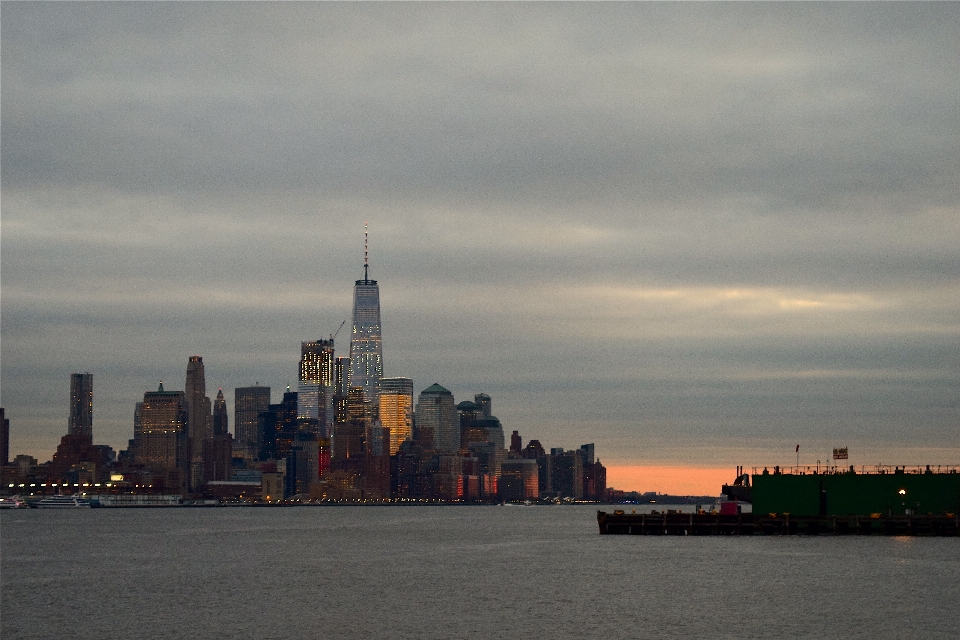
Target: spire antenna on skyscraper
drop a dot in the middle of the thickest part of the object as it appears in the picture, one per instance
(366, 253)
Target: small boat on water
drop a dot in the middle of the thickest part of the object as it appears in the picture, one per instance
(12, 502)
(63, 502)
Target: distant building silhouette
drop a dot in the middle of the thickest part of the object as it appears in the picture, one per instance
(516, 443)
(436, 413)
(484, 404)
(277, 427)
(248, 404)
(76, 458)
(448, 477)
(350, 446)
(341, 388)
(376, 470)
(566, 474)
(221, 424)
(587, 453)
(199, 420)
(4, 438)
(467, 413)
(535, 451)
(595, 482)
(217, 449)
(481, 435)
(302, 470)
(489, 432)
(519, 480)
(81, 405)
(163, 445)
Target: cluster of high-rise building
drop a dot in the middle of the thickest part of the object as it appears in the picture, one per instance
(180, 439)
(346, 433)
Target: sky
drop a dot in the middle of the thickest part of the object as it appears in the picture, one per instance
(696, 235)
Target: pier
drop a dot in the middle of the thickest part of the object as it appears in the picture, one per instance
(745, 524)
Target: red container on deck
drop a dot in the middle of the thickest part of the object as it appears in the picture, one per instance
(729, 508)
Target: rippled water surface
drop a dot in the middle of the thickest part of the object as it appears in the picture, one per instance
(453, 572)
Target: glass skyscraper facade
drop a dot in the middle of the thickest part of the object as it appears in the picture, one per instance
(396, 410)
(366, 350)
(437, 419)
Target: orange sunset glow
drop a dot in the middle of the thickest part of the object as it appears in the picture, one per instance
(683, 481)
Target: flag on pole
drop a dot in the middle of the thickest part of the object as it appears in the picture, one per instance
(798, 449)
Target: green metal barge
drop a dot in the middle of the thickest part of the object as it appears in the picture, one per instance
(713, 524)
(865, 491)
(895, 501)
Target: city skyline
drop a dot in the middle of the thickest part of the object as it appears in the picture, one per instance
(701, 234)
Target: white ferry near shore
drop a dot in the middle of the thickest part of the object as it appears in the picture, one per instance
(137, 500)
(63, 502)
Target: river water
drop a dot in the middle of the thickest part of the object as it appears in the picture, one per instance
(453, 572)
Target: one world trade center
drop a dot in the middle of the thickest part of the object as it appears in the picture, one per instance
(366, 351)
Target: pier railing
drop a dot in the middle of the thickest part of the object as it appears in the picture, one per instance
(878, 469)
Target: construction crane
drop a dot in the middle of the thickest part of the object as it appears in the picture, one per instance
(334, 334)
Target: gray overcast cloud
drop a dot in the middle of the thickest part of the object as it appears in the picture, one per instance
(690, 233)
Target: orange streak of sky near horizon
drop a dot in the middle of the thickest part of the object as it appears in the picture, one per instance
(681, 481)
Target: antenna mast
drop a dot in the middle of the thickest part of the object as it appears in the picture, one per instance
(366, 260)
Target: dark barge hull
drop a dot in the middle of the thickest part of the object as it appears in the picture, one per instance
(713, 524)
